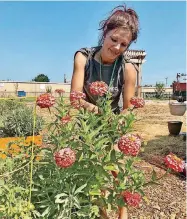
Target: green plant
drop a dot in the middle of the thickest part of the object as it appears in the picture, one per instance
(19, 122)
(48, 89)
(160, 90)
(6, 106)
(14, 187)
(82, 170)
(100, 176)
(41, 78)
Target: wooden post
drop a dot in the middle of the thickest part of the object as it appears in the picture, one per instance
(139, 79)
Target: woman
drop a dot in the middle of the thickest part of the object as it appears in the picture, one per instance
(106, 62)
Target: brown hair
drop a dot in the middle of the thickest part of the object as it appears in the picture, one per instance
(121, 16)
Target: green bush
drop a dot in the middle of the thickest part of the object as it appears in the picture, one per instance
(7, 106)
(19, 122)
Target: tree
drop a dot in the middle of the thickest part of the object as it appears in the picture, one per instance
(159, 89)
(41, 78)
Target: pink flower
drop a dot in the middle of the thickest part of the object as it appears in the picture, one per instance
(65, 119)
(98, 88)
(175, 163)
(129, 144)
(132, 199)
(45, 100)
(65, 157)
(60, 91)
(138, 102)
(75, 99)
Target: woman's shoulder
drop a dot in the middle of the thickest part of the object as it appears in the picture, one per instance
(86, 51)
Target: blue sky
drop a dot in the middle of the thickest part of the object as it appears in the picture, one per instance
(42, 37)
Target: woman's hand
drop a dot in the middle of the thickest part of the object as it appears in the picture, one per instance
(95, 109)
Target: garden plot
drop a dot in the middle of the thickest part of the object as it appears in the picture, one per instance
(166, 200)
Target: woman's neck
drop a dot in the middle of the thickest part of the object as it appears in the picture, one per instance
(104, 59)
(100, 57)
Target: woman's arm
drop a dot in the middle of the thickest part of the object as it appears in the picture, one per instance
(129, 85)
(77, 81)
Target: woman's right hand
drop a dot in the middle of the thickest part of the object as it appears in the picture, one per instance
(95, 109)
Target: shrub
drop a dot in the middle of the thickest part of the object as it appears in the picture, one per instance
(19, 122)
(7, 106)
(81, 171)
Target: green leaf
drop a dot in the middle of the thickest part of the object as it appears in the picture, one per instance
(113, 155)
(96, 132)
(81, 157)
(79, 190)
(102, 172)
(110, 199)
(151, 183)
(95, 192)
(154, 176)
(58, 197)
(110, 167)
(141, 192)
(2, 182)
(120, 202)
(46, 212)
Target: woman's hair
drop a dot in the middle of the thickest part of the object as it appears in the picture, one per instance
(121, 16)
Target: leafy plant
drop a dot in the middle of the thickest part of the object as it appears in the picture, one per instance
(48, 89)
(88, 165)
(80, 188)
(19, 122)
(160, 90)
(41, 78)
(6, 106)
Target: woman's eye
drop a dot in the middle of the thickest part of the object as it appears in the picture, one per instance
(113, 39)
(124, 45)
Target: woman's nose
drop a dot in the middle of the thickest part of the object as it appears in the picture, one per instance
(117, 47)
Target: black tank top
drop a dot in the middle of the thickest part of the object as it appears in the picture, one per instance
(92, 73)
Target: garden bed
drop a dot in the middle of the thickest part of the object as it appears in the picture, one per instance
(166, 200)
(169, 199)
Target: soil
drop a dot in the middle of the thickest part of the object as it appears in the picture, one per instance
(167, 200)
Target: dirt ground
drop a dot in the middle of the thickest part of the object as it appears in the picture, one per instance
(167, 200)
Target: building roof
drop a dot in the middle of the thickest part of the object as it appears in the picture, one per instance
(34, 82)
(135, 54)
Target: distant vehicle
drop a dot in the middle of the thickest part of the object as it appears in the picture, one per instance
(179, 89)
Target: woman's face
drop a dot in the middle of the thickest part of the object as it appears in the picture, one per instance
(115, 43)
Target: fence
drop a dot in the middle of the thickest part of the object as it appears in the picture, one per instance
(145, 95)
(153, 95)
(28, 94)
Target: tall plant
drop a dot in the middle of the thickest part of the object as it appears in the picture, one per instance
(160, 90)
(85, 171)
(87, 166)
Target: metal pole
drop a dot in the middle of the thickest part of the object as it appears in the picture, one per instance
(166, 81)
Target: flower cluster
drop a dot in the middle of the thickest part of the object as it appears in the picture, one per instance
(137, 102)
(98, 88)
(65, 119)
(65, 157)
(175, 163)
(60, 91)
(75, 99)
(129, 144)
(45, 100)
(132, 199)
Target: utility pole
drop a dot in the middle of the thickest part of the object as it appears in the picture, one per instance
(166, 81)
(65, 78)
